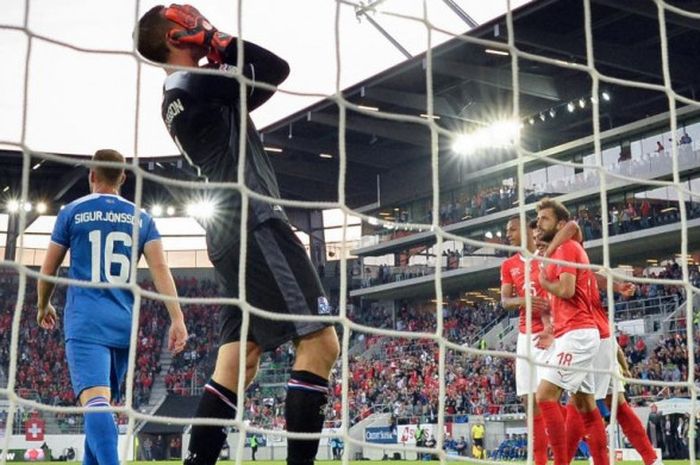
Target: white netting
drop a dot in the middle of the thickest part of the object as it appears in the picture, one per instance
(441, 234)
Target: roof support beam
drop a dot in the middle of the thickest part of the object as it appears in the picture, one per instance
(649, 10)
(357, 154)
(394, 130)
(612, 55)
(415, 101)
(530, 84)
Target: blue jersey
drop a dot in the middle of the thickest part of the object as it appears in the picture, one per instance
(98, 230)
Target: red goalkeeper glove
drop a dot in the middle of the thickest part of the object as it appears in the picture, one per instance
(196, 30)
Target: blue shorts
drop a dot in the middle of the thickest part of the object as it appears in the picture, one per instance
(93, 365)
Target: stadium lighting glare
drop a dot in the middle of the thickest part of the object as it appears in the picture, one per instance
(498, 234)
(489, 235)
(37, 166)
(552, 112)
(427, 116)
(582, 103)
(157, 210)
(606, 96)
(499, 134)
(273, 149)
(41, 208)
(531, 121)
(368, 108)
(203, 209)
(571, 107)
(170, 210)
(12, 206)
(542, 116)
(492, 51)
(28, 207)
(207, 209)
(191, 210)
(325, 155)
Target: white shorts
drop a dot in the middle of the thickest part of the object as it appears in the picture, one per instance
(527, 376)
(575, 349)
(604, 360)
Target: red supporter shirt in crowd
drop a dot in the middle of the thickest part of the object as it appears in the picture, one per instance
(573, 313)
(513, 273)
(599, 313)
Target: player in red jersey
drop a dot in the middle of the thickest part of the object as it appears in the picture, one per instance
(576, 339)
(604, 382)
(513, 290)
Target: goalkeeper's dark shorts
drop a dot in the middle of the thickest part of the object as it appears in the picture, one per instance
(280, 278)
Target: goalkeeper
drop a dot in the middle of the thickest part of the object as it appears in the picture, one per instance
(203, 115)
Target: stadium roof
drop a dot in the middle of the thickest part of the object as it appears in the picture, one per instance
(81, 89)
(469, 84)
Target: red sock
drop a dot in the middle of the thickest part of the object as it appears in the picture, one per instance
(555, 430)
(633, 429)
(574, 431)
(595, 429)
(540, 440)
(562, 408)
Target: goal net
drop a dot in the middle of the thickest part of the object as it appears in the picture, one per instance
(518, 109)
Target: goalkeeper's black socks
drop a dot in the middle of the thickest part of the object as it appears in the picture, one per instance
(307, 395)
(206, 440)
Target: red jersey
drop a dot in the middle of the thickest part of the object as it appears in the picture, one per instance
(513, 273)
(599, 313)
(576, 312)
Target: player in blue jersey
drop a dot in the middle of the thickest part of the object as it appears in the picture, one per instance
(98, 230)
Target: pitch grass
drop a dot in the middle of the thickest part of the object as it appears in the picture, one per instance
(370, 462)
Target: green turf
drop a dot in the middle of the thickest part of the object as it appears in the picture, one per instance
(368, 462)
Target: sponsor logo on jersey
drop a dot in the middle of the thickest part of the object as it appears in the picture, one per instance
(323, 307)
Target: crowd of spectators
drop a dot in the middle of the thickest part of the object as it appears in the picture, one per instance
(623, 218)
(188, 370)
(399, 376)
(402, 379)
(667, 361)
(42, 373)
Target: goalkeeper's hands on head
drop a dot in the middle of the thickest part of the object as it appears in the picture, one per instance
(195, 30)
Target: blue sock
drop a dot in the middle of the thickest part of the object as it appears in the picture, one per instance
(101, 433)
(88, 457)
(604, 412)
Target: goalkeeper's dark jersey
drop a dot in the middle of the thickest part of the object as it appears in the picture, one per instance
(203, 115)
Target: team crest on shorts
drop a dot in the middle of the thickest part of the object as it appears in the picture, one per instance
(323, 307)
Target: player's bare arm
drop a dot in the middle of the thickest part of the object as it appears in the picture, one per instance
(624, 288)
(622, 361)
(545, 338)
(564, 287)
(46, 313)
(514, 302)
(164, 283)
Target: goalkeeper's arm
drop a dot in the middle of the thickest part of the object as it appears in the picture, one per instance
(164, 283)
